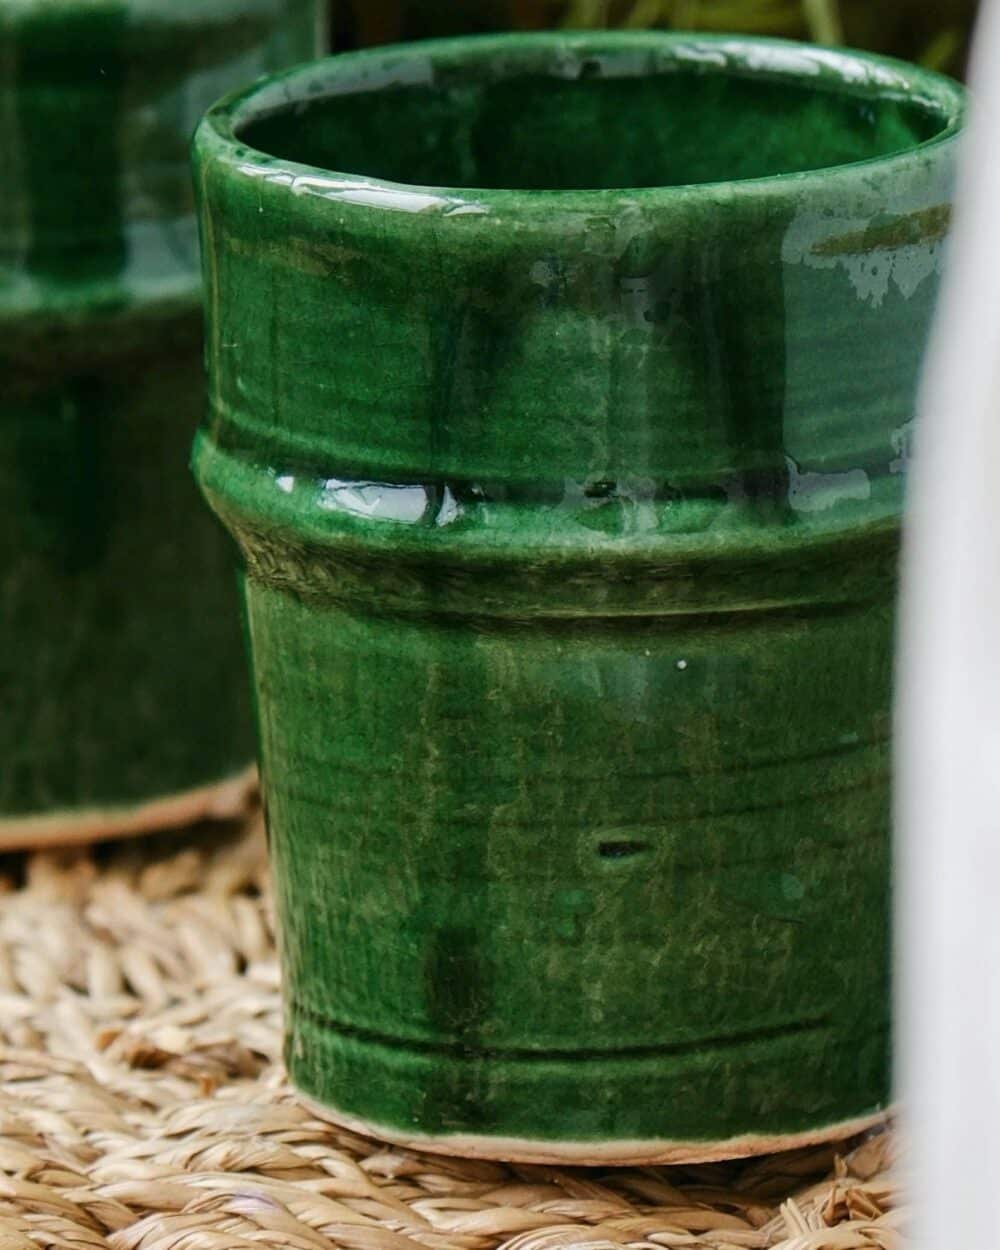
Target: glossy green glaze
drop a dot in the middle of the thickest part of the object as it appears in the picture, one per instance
(120, 665)
(570, 519)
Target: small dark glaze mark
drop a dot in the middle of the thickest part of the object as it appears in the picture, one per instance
(622, 850)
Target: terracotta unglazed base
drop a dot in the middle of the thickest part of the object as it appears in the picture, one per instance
(604, 1154)
(223, 800)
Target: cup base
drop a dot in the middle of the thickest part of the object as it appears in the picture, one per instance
(221, 801)
(603, 1154)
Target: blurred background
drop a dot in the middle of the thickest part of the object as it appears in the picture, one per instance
(932, 32)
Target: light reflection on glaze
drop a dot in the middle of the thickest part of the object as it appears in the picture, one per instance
(818, 492)
(380, 501)
(396, 198)
(815, 61)
(638, 505)
(873, 266)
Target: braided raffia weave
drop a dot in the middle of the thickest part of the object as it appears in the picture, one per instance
(143, 1106)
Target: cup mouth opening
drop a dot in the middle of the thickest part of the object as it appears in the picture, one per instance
(582, 114)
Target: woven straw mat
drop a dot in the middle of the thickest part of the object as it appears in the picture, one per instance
(143, 1104)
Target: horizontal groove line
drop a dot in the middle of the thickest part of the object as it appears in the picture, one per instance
(462, 1050)
(627, 827)
(362, 770)
(359, 605)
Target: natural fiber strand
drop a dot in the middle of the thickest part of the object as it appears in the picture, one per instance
(143, 1105)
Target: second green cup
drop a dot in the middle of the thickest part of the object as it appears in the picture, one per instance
(560, 402)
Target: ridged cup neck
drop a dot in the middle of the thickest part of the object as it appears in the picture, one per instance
(666, 358)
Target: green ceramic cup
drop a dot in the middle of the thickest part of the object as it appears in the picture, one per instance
(560, 397)
(124, 696)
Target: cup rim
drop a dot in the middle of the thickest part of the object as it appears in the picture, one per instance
(850, 71)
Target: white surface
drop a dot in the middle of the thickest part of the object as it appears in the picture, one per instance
(948, 706)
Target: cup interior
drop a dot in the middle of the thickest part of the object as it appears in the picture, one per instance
(560, 116)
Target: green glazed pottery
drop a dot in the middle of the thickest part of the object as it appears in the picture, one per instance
(560, 400)
(120, 651)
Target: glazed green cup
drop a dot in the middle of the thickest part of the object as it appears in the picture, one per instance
(125, 706)
(560, 400)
